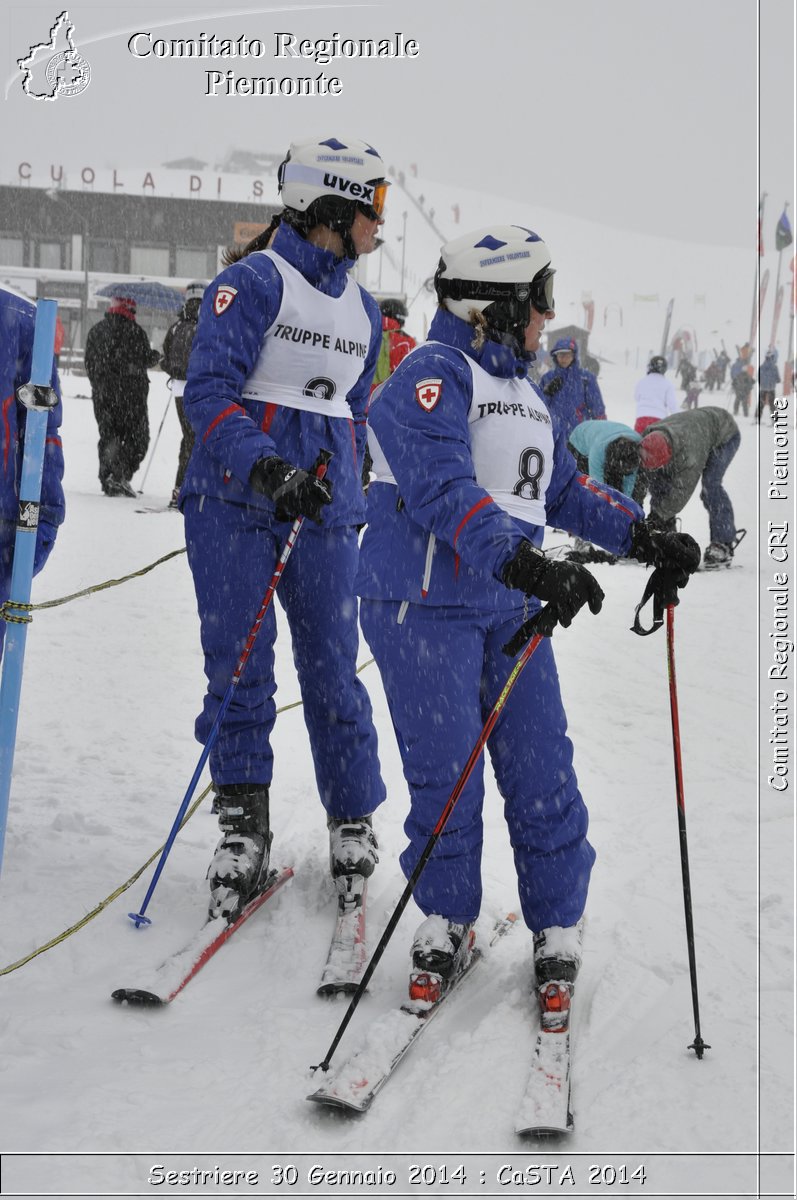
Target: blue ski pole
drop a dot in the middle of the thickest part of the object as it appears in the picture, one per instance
(320, 469)
(38, 398)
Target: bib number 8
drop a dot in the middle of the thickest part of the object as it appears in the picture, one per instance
(531, 467)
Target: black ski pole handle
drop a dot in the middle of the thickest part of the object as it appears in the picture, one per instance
(543, 623)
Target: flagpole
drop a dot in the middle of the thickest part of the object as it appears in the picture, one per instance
(757, 278)
(777, 279)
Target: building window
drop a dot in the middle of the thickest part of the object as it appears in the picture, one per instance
(149, 260)
(103, 257)
(50, 255)
(192, 264)
(12, 252)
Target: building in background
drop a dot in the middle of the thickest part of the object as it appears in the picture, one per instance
(66, 235)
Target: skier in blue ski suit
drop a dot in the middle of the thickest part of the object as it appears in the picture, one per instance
(280, 369)
(17, 321)
(468, 470)
(572, 392)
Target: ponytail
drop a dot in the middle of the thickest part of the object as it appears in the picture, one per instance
(234, 254)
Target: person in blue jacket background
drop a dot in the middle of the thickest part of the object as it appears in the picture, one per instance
(608, 451)
(571, 391)
(280, 368)
(17, 322)
(468, 469)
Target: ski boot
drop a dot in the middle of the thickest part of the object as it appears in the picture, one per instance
(441, 950)
(720, 554)
(352, 846)
(239, 867)
(557, 958)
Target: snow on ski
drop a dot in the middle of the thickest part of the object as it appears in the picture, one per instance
(545, 1107)
(179, 968)
(355, 1084)
(347, 956)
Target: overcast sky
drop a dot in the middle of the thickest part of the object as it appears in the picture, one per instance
(638, 114)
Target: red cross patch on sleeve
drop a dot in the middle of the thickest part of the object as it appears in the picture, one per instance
(223, 299)
(428, 392)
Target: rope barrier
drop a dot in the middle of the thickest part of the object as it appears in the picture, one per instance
(97, 587)
(103, 904)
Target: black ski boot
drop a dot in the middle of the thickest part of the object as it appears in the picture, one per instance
(352, 846)
(557, 958)
(240, 864)
(441, 950)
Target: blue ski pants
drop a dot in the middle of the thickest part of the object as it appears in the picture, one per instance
(716, 501)
(443, 670)
(233, 551)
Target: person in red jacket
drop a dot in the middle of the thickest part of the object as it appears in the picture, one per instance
(396, 344)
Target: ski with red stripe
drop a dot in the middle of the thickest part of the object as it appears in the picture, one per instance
(175, 972)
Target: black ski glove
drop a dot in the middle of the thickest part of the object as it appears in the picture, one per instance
(566, 585)
(295, 493)
(553, 386)
(676, 553)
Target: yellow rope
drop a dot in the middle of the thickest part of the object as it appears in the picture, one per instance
(103, 903)
(95, 912)
(99, 587)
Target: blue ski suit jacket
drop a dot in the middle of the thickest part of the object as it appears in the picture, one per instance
(17, 321)
(436, 536)
(233, 433)
(577, 396)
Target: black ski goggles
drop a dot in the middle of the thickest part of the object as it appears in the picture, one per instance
(538, 293)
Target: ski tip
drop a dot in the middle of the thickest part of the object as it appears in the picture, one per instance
(545, 1133)
(329, 1100)
(137, 997)
(336, 989)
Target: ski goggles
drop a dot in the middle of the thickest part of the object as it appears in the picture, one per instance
(376, 206)
(538, 293)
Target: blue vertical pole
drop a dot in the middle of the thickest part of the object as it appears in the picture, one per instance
(38, 399)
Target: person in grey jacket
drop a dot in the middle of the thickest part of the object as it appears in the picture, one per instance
(687, 448)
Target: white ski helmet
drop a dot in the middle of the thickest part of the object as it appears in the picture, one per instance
(195, 290)
(337, 168)
(501, 271)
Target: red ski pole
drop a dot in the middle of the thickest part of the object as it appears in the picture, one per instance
(698, 1045)
(537, 627)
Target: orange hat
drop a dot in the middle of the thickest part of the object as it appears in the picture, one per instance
(655, 451)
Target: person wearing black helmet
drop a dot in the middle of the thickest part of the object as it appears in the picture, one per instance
(174, 361)
(469, 468)
(396, 344)
(280, 369)
(654, 396)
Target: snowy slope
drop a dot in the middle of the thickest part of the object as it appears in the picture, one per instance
(112, 684)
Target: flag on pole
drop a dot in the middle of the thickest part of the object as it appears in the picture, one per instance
(760, 229)
(783, 234)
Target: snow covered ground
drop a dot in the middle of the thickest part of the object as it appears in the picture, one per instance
(95, 1094)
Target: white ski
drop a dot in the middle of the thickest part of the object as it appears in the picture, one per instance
(355, 1084)
(347, 956)
(545, 1108)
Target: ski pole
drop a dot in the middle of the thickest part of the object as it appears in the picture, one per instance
(155, 444)
(698, 1045)
(38, 398)
(536, 628)
(320, 469)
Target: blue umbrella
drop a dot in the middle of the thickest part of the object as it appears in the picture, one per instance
(147, 295)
